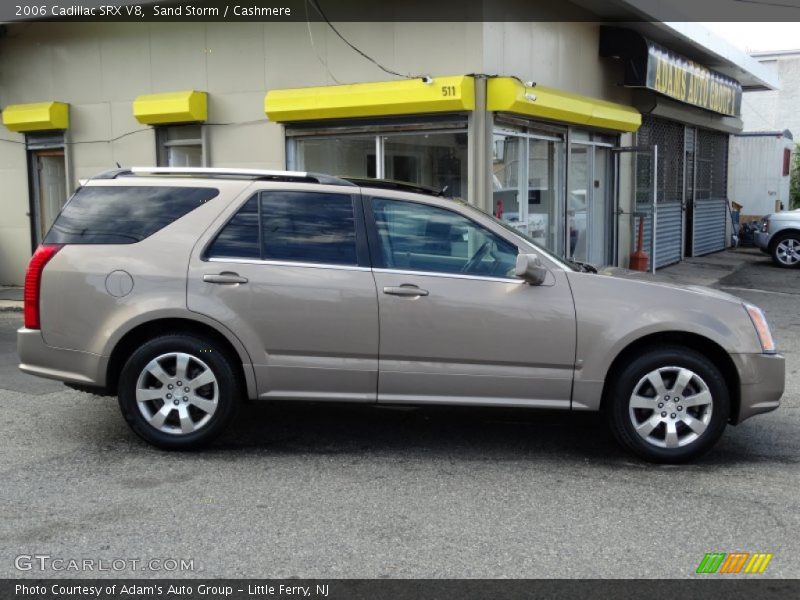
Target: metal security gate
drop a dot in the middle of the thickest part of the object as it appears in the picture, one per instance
(668, 232)
(708, 231)
(709, 209)
(667, 172)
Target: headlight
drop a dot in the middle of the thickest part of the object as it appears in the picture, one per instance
(762, 328)
(765, 226)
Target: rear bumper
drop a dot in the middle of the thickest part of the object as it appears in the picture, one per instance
(37, 358)
(762, 377)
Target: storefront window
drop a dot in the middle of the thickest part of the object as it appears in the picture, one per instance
(438, 160)
(418, 154)
(345, 155)
(528, 185)
(530, 189)
(507, 172)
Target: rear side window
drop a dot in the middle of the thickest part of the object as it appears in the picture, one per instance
(308, 227)
(239, 238)
(313, 227)
(123, 214)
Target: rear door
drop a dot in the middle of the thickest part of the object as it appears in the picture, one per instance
(456, 325)
(288, 272)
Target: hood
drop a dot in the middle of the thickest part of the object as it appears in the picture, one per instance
(644, 279)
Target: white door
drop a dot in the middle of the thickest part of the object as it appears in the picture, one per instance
(51, 190)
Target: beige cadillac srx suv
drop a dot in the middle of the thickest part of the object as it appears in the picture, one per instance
(184, 291)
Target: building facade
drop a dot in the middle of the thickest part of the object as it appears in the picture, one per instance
(763, 155)
(549, 126)
(775, 110)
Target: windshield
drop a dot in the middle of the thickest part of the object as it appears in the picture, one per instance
(561, 262)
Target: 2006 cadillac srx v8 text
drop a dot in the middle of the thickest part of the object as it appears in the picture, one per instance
(184, 291)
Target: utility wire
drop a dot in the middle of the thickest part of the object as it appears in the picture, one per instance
(317, 7)
(127, 133)
(322, 61)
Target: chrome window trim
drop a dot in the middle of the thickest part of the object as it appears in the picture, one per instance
(285, 263)
(450, 275)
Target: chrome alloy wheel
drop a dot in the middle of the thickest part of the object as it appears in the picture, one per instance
(788, 252)
(670, 407)
(177, 393)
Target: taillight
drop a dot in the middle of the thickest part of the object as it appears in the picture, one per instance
(33, 283)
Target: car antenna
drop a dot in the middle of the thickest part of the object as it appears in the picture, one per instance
(443, 190)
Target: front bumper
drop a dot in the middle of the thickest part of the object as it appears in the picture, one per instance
(762, 378)
(73, 366)
(761, 239)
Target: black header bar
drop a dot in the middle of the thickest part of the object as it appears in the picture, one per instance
(400, 10)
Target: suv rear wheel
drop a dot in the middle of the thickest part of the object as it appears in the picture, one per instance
(786, 250)
(179, 391)
(669, 405)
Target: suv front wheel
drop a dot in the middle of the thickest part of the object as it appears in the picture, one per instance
(669, 405)
(179, 391)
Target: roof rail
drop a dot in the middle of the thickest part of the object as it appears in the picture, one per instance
(400, 186)
(232, 173)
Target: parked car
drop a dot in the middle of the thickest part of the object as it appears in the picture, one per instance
(779, 236)
(183, 291)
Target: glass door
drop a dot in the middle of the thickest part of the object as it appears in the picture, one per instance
(600, 220)
(508, 171)
(590, 204)
(545, 192)
(578, 200)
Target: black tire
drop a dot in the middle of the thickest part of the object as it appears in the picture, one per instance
(774, 248)
(225, 392)
(631, 376)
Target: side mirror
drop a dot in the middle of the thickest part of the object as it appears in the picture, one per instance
(530, 269)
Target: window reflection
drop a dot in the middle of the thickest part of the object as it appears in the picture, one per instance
(309, 227)
(427, 238)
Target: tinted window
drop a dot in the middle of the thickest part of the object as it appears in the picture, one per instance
(123, 214)
(427, 238)
(239, 238)
(308, 227)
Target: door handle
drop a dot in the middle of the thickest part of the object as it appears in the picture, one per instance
(225, 277)
(406, 289)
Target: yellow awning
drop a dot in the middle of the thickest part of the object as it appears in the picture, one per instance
(402, 97)
(171, 107)
(39, 116)
(506, 94)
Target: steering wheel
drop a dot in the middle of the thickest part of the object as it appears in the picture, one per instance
(477, 257)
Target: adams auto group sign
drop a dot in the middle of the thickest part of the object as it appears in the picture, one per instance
(649, 65)
(686, 81)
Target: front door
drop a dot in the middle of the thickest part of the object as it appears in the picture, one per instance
(289, 275)
(589, 205)
(50, 191)
(456, 326)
